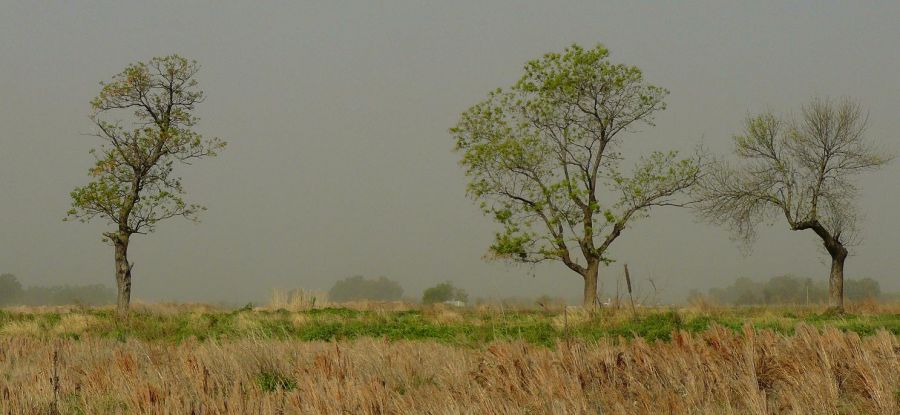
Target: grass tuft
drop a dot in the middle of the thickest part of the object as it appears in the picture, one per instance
(270, 381)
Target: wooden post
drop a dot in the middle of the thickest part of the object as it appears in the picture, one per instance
(630, 296)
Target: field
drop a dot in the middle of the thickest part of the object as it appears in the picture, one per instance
(396, 359)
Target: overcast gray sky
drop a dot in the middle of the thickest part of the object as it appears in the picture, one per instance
(339, 160)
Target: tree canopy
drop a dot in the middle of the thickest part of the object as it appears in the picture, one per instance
(444, 291)
(359, 288)
(543, 158)
(801, 168)
(133, 185)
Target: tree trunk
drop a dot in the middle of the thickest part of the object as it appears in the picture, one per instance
(838, 253)
(836, 281)
(123, 274)
(590, 284)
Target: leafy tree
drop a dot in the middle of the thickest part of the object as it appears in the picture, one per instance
(800, 168)
(444, 291)
(10, 289)
(789, 289)
(359, 288)
(145, 118)
(543, 159)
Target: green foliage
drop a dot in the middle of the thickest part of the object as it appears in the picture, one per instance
(145, 118)
(271, 381)
(543, 157)
(657, 326)
(10, 289)
(470, 329)
(444, 291)
(359, 288)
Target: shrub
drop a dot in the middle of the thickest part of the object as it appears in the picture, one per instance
(444, 291)
(359, 288)
(10, 289)
(862, 289)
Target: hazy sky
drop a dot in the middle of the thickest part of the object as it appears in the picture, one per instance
(339, 160)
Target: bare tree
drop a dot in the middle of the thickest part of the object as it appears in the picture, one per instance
(802, 168)
(133, 186)
(543, 158)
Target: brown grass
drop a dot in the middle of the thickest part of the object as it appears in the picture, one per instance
(716, 372)
(297, 300)
(300, 299)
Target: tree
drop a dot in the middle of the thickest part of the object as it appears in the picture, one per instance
(359, 288)
(144, 117)
(10, 289)
(543, 159)
(789, 289)
(802, 168)
(444, 291)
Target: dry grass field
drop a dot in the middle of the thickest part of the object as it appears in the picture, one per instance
(192, 359)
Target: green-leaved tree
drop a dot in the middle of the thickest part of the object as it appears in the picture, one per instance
(145, 118)
(543, 159)
(442, 292)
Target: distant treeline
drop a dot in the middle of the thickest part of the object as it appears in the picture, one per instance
(788, 289)
(358, 288)
(385, 289)
(13, 293)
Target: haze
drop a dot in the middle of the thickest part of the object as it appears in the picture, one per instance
(339, 160)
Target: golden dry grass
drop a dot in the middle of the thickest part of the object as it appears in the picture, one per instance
(715, 372)
(297, 300)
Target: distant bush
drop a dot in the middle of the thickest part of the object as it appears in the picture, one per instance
(444, 291)
(789, 289)
(10, 289)
(862, 289)
(359, 288)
